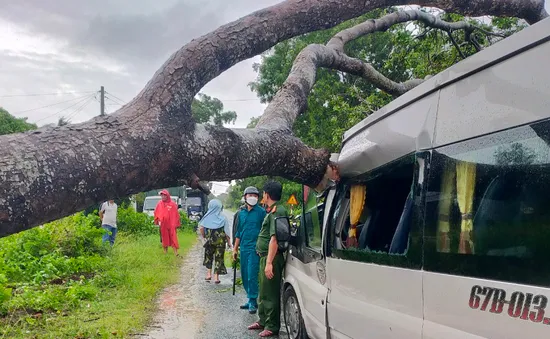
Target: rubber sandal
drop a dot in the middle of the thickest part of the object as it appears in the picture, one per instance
(208, 279)
(256, 326)
(217, 282)
(267, 333)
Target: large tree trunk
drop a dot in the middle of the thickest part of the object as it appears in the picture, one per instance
(153, 141)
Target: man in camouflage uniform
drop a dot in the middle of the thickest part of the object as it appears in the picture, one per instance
(271, 264)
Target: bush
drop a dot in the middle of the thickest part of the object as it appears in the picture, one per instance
(186, 224)
(63, 268)
(5, 294)
(55, 266)
(59, 249)
(38, 266)
(130, 221)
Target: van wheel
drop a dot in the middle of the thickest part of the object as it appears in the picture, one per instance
(293, 315)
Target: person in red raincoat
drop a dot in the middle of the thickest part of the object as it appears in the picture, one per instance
(168, 219)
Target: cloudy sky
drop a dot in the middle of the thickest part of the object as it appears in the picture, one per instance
(64, 46)
(69, 48)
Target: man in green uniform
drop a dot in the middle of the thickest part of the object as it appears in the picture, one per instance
(271, 264)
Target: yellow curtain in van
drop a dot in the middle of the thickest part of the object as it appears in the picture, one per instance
(443, 241)
(465, 187)
(357, 202)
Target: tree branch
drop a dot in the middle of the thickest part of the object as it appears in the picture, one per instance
(450, 34)
(51, 173)
(379, 25)
(291, 99)
(530, 10)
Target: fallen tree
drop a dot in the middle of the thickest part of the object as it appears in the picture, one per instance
(153, 141)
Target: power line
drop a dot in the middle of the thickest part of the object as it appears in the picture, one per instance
(57, 103)
(77, 110)
(86, 97)
(120, 100)
(42, 94)
(114, 96)
(113, 100)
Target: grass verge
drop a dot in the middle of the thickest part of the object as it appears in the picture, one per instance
(117, 302)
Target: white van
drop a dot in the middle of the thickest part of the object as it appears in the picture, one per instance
(440, 227)
(150, 203)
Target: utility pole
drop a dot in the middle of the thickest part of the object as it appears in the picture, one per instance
(102, 94)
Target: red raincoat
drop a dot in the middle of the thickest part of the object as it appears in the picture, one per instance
(168, 218)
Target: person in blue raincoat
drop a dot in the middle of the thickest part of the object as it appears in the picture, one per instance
(249, 222)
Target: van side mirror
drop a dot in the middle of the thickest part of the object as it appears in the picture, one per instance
(284, 232)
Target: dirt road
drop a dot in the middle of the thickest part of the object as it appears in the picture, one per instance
(195, 308)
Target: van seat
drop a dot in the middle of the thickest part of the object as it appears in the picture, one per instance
(400, 239)
(364, 235)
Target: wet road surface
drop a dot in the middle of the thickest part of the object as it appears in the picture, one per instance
(195, 308)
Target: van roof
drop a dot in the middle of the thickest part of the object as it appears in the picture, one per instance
(513, 45)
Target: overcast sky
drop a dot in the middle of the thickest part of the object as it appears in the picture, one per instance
(78, 45)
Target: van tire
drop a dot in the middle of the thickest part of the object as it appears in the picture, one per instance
(294, 322)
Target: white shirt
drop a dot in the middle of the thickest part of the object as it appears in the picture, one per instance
(109, 214)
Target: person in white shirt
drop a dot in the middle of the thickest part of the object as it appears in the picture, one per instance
(107, 214)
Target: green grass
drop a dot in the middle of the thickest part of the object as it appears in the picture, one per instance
(118, 301)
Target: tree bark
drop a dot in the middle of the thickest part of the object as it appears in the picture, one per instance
(153, 141)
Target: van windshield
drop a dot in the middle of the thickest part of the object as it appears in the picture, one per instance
(151, 202)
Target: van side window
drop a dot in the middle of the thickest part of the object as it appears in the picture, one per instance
(314, 206)
(488, 206)
(376, 213)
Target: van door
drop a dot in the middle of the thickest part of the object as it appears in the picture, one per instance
(487, 232)
(374, 257)
(306, 265)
